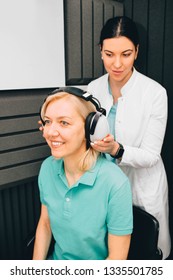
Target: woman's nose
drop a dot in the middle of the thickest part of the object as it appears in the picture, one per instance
(117, 62)
(53, 130)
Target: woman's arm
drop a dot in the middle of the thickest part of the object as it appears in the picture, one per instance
(143, 146)
(118, 247)
(43, 236)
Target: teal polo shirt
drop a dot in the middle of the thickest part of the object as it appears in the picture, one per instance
(82, 215)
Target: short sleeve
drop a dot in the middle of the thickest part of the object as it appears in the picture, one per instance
(41, 189)
(120, 211)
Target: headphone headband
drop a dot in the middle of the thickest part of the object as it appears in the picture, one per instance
(82, 94)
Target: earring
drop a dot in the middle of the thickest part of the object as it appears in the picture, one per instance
(102, 57)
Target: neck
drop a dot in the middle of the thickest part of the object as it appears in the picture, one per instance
(71, 167)
(115, 89)
(72, 172)
(116, 86)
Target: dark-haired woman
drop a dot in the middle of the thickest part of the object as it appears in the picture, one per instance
(137, 113)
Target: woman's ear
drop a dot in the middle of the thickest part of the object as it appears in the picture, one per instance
(137, 50)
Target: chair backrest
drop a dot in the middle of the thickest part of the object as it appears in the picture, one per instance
(144, 241)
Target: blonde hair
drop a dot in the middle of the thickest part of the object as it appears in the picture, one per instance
(84, 108)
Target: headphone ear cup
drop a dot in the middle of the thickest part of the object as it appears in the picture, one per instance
(96, 127)
(88, 122)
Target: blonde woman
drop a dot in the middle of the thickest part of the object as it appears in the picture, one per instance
(86, 199)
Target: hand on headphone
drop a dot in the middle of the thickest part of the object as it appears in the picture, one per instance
(41, 128)
(107, 145)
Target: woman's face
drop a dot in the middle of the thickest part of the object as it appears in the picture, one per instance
(64, 129)
(118, 56)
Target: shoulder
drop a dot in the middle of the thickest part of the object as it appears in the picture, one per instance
(149, 83)
(49, 163)
(111, 173)
(98, 82)
(99, 87)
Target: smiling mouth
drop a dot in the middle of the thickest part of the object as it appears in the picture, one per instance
(57, 144)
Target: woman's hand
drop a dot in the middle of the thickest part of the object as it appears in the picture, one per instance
(41, 128)
(107, 145)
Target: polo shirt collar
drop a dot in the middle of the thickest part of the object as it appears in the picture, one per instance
(88, 178)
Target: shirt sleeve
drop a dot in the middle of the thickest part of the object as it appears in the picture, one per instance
(120, 211)
(40, 185)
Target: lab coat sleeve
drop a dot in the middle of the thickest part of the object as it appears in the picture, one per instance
(148, 152)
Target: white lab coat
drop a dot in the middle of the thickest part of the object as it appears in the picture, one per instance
(140, 126)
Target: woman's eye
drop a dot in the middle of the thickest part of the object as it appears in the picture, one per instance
(109, 54)
(64, 123)
(126, 54)
(46, 122)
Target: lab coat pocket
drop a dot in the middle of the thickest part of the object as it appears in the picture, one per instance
(146, 182)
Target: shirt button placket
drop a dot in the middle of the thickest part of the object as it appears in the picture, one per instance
(67, 204)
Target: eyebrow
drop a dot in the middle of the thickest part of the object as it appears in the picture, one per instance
(123, 51)
(61, 117)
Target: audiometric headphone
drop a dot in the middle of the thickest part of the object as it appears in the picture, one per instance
(96, 124)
